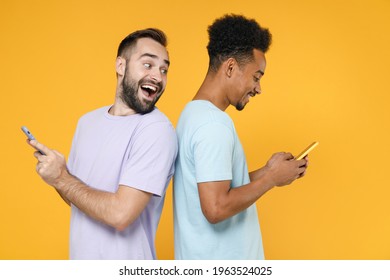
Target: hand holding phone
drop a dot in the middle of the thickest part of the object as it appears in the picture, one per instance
(30, 136)
(306, 151)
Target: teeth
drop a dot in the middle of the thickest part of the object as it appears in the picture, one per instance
(154, 89)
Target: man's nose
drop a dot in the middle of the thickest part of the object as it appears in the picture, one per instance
(258, 89)
(156, 75)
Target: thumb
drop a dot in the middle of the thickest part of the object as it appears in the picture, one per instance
(40, 147)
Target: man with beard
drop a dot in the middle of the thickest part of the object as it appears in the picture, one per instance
(121, 161)
(214, 194)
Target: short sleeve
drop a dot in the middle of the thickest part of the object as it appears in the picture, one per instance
(71, 158)
(150, 164)
(213, 146)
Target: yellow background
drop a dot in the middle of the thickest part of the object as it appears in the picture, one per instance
(327, 79)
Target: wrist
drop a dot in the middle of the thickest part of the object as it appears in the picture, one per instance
(62, 181)
(268, 178)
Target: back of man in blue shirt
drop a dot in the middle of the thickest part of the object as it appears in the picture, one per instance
(214, 194)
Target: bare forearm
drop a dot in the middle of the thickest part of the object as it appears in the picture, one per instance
(97, 204)
(218, 205)
(63, 197)
(118, 209)
(239, 199)
(219, 201)
(257, 174)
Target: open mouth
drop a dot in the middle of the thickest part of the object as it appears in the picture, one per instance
(149, 90)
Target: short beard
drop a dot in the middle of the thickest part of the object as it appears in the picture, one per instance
(240, 106)
(130, 97)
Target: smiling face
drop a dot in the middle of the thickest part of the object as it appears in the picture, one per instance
(247, 80)
(145, 75)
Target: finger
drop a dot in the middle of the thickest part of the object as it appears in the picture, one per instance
(38, 167)
(57, 153)
(302, 172)
(29, 142)
(288, 156)
(301, 162)
(40, 147)
(39, 156)
(39, 153)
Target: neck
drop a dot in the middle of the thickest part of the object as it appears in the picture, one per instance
(120, 108)
(212, 90)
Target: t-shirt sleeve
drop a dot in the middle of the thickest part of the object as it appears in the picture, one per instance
(71, 158)
(150, 164)
(213, 152)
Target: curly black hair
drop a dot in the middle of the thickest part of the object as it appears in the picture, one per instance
(236, 36)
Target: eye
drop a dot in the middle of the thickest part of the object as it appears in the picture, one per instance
(164, 71)
(255, 79)
(147, 65)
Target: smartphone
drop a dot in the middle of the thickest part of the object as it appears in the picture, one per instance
(28, 133)
(306, 151)
(30, 136)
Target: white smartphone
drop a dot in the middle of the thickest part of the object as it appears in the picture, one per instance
(30, 136)
(306, 151)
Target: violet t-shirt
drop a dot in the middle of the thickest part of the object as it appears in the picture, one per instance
(137, 151)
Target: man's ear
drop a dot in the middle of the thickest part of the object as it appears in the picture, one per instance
(230, 65)
(120, 66)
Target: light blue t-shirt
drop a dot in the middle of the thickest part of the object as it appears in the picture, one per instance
(137, 151)
(209, 150)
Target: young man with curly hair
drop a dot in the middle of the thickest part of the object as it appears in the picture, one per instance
(214, 194)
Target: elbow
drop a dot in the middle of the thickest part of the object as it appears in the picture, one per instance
(120, 227)
(213, 216)
(213, 220)
(120, 222)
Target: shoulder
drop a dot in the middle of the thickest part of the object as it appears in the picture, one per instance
(202, 114)
(154, 118)
(92, 115)
(155, 124)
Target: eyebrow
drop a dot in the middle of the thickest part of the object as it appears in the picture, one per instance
(154, 56)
